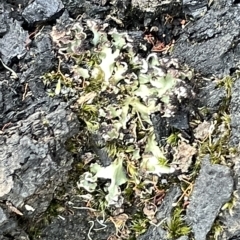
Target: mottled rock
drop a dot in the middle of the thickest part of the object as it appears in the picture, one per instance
(211, 96)
(3, 217)
(34, 148)
(212, 189)
(183, 238)
(235, 113)
(212, 35)
(42, 10)
(13, 43)
(65, 227)
(231, 219)
(195, 8)
(165, 209)
(3, 20)
(91, 8)
(150, 6)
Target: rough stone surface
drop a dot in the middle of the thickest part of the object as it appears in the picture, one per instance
(42, 10)
(195, 8)
(13, 43)
(33, 129)
(212, 189)
(91, 8)
(235, 113)
(212, 35)
(36, 150)
(3, 217)
(211, 96)
(67, 228)
(150, 6)
(165, 209)
(231, 219)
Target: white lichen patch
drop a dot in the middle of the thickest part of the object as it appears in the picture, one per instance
(117, 93)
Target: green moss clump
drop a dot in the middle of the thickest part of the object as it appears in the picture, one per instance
(176, 226)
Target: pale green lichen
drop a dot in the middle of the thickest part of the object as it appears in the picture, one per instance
(116, 93)
(125, 92)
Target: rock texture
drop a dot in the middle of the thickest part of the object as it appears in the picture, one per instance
(230, 217)
(42, 11)
(212, 189)
(234, 109)
(215, 34)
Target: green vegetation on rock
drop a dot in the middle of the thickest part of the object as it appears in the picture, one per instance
(115, 92)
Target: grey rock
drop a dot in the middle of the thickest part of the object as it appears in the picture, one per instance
(235, 113)
(67, 228)
(180, 120)
(165, 209)
(183, 238)
(212, 189)
(90, 8)
(36, 62)
(13, 43)
(195, 8)
(150, 6)
(154, 233)
(33, 159)
(35, 153)
(161, 128)
(217, 5)
(3, 217)
(231, 220)
(212, 35)
(211, 97)
(3, 22)
(42, 10)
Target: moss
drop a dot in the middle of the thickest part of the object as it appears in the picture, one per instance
(176, 226)
(216, 230)
(217, 146)
(173, 139)
(229, 206)
(139, 224)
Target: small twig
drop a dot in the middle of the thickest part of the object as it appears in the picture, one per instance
(87, 208)
(92, 222)
(13, 209)
(25, 92)
(185, 192)
(6, 125)
(90, 229)
(39, 32)
(9, 69)
(159, 224)
(102, 224)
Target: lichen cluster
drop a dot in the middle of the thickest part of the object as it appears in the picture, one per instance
(115, 92)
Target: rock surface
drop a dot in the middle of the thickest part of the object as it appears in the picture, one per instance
(13, 43)
(230, 217)
(212, 189)
(213, 35)
(66, 228)
(42, 11)
(234, 109)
